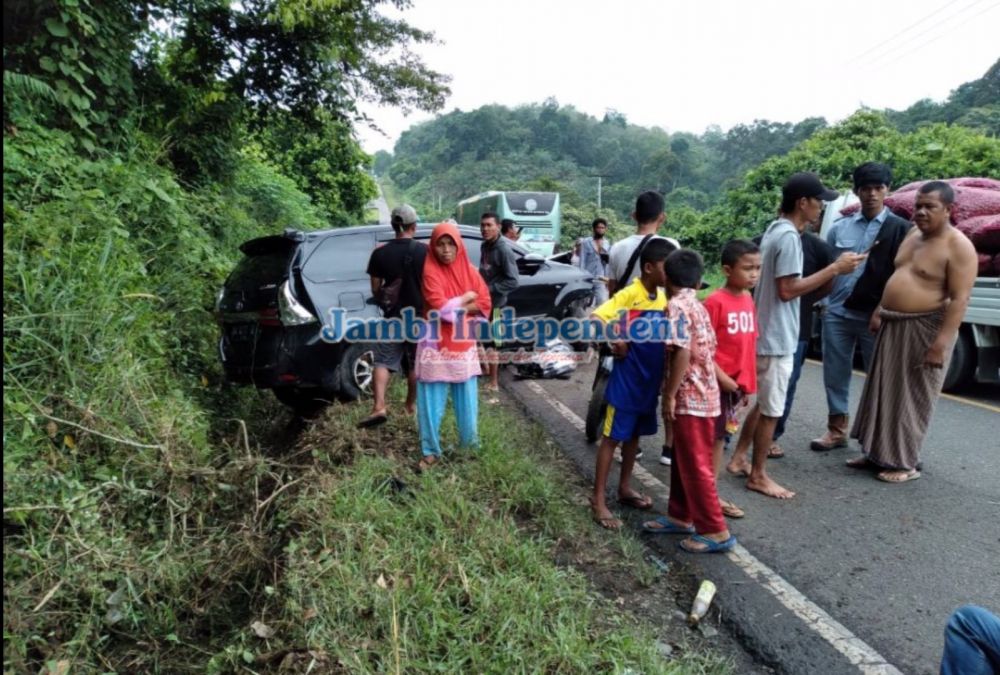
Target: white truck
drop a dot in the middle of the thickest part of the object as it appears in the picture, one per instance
(977, 351)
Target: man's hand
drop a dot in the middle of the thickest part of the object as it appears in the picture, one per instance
(619, 349)
(669, 408)
(934, 358)
(848, 262)
(875, 323)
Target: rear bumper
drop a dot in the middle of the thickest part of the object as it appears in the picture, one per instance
(282, 357)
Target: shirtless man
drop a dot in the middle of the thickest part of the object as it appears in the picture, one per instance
(917, 322)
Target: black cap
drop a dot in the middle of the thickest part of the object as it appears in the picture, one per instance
(807, 184)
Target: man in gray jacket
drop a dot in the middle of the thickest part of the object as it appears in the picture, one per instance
(499, 269)
(594, 258)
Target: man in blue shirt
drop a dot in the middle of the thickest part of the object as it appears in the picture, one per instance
(877, 231)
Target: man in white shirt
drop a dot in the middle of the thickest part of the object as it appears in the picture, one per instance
(649, 216)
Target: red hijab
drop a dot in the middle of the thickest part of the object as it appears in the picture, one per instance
(443, 282)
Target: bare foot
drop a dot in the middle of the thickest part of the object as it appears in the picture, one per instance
(411, 409)
(766, 486)
(426, 462)
(738, 467)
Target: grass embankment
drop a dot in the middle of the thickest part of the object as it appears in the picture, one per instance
(453, 570)
(131, 519)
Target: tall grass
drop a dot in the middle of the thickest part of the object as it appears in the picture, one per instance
(120, 505)
(452, 570)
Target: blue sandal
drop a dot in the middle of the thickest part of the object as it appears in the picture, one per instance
(666, 526)
(710, 545)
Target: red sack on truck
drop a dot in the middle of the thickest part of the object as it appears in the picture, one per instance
(986, 183)
(975, 198)
(973, 202)
(984, 232)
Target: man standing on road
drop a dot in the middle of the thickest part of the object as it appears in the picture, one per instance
(396, 269)
(778, 292)
(594, 258)
(499, 269)
(648, 217)
(917, 323)
(816, 254)
(877, 231)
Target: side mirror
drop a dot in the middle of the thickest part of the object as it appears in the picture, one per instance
(530, 263)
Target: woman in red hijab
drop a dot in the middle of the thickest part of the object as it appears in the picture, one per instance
(454, 293)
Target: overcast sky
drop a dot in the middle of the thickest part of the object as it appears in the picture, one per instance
(684, 66)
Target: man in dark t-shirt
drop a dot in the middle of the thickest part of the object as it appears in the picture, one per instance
(402, 260)
(816, 254)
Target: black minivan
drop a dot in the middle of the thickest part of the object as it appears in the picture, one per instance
(272, 308)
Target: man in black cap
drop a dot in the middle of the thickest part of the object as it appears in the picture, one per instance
(875, 230)
(396, 269)
(777, 297)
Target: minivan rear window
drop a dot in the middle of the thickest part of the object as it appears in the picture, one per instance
(255, 270)
(340, 257)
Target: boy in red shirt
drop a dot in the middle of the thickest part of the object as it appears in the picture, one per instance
(691, 403)
(734, 320)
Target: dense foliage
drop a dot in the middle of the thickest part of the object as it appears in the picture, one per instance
(933, 151)
(143, 142)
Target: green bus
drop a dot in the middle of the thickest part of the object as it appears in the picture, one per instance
(536, 213)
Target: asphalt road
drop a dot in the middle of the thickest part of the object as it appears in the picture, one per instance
(382, 206)
(889, 562)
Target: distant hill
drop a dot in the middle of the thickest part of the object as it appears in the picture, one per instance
(437, 163)
(974, 104)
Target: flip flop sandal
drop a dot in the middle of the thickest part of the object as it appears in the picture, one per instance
(664, 525)
(710, 545)
(730, 510)
(641, 502)
(373, 421)
(611, 523)
(775, 452)
(906, 478)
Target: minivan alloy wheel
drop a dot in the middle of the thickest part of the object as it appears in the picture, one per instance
(364, 369)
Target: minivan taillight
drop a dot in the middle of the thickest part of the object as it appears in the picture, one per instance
(290, 311)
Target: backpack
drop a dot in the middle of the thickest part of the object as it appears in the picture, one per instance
(388, 295)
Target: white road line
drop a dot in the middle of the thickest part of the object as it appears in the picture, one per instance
(854, 649)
